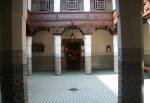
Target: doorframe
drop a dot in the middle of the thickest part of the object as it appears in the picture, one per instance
(64, 44)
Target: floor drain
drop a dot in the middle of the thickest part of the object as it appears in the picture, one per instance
(73, 89)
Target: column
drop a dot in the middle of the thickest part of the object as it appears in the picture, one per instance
(115, 46)
(130, 40)
(87, 54)
(29, 54)
(57, 51)
(86, 5)
(149, 24)
(56, 5)
(13, 51)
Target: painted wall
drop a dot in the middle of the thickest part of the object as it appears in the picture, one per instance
(45, 60)
(146, 32)
(100, 58)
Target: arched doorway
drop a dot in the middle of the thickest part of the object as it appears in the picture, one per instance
(72, 49)
(72, 54)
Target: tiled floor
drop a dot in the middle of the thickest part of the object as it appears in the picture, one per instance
(100, 87)
(48, 88)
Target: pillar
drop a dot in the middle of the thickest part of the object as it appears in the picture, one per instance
(87, 54)
(130, 40)
(115, 46)
(13, 51)
(57, 51)
(29, 54)
(148, 20)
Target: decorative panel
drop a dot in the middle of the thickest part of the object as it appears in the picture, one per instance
(71, 5)
(101, 5)
(43, 5)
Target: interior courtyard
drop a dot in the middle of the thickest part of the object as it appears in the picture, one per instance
(75, 51)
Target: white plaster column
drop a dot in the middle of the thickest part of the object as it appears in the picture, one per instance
(56, 5)
(87, 54)
(115, 46)
(57, 51)
(29, 54)
(86, 5)
(149, 24)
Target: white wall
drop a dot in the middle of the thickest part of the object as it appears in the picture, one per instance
(47, 39)
(86, 5)
(29, 5)
(56, 5)
(100, 58)
(100, 39)
(114, 5)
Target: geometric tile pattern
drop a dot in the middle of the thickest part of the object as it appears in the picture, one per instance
(40, 77)
(48, 88)
(13, 84)
(13, 77)
(130, 82)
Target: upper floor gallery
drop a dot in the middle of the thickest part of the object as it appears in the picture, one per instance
(71, 5)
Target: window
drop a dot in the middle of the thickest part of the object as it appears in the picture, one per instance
(45, 5)
(99, 4)
(72, 4)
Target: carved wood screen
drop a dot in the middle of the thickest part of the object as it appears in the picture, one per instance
(99, 4)
(71, 5)
(43, 5)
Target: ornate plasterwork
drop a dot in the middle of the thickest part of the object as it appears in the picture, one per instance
(146, 9)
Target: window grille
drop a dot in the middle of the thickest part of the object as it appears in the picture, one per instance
(72, 4)
(99, 4)
(45, 5)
